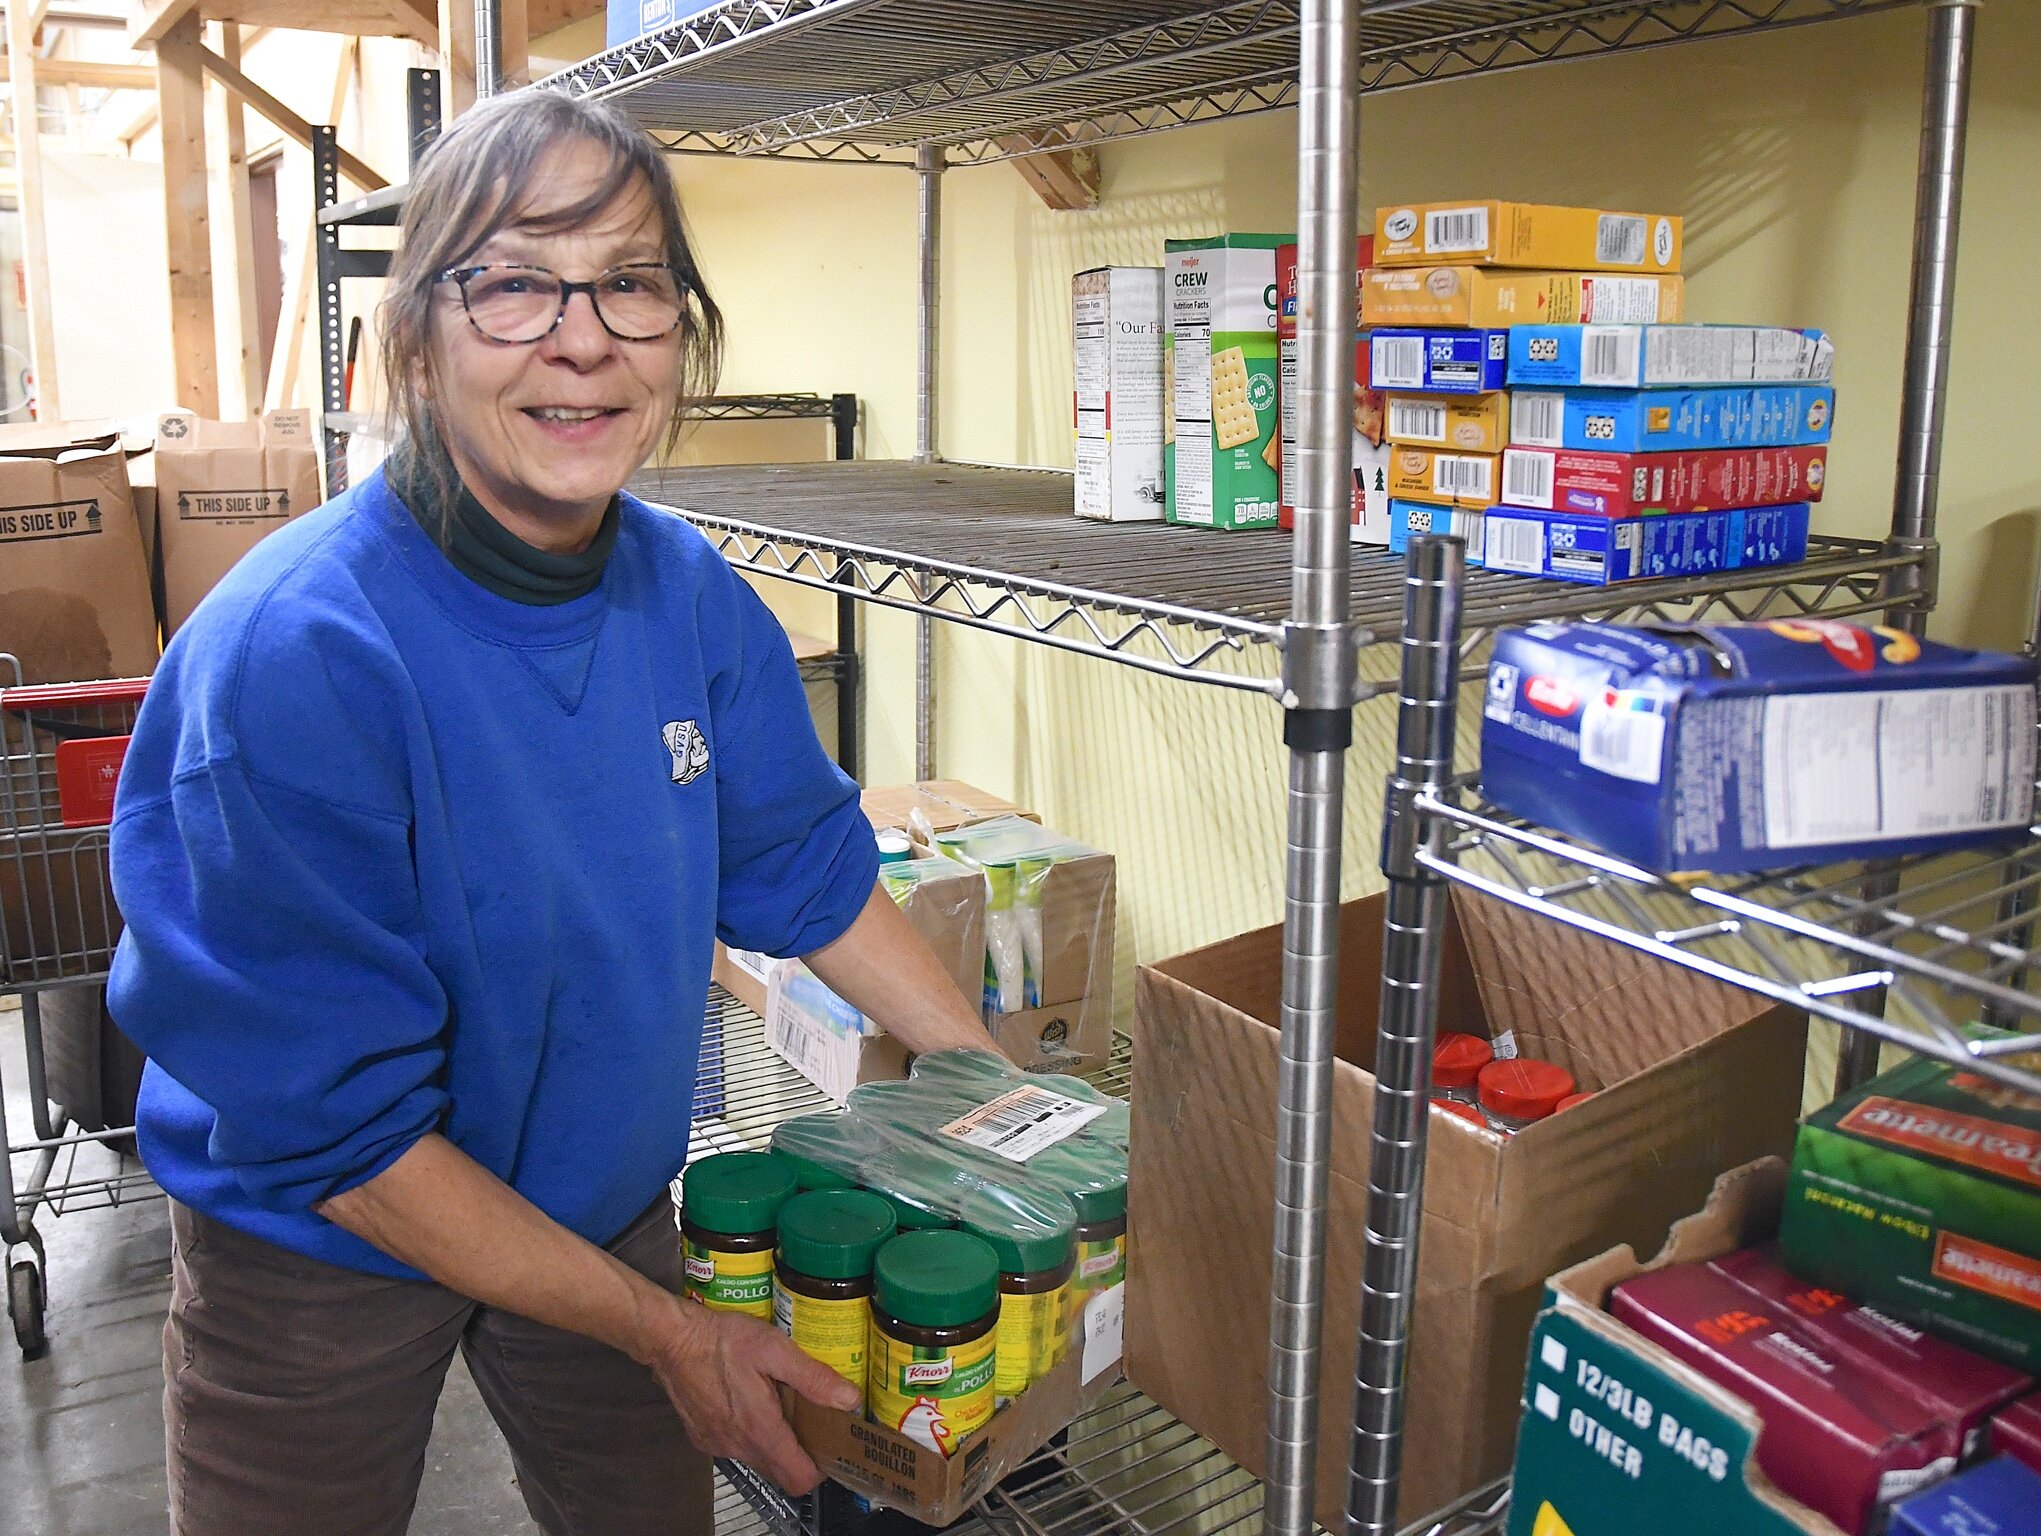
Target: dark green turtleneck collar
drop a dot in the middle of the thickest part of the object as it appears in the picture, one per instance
(485, 551)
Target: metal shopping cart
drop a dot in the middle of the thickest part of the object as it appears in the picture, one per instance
(61, 747)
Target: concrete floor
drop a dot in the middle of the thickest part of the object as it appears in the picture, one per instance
(81, 1429)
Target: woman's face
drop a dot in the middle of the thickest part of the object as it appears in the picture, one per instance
(546, 432)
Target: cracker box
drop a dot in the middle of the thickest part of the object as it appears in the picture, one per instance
(1921, 1192)
(1445, 479)
(1117, 406)
(1600, 551)
(1481, 296)
(1370, 506)
(1667, 420)
(1645, 484)
(1665, 356)
(1499, 234)
(1438, 362)
(1759, 746)
(1222, 459)
(1412, 517)
(1459, 423)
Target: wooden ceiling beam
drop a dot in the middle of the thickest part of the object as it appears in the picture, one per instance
(1066, 179)
(153, 19)
(351, 166)
(95, 73)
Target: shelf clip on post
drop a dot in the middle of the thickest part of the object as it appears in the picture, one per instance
(1413, 940)
(928, 177)
(332, 348)
(1318, 697)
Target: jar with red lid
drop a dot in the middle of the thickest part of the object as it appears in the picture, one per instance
(1464, 1110)
(1522, 1091)
(1457, 1061)
(1574, 1098)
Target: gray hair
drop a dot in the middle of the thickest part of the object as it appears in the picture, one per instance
(470, 185)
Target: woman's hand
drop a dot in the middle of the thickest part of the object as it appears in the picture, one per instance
(720, 1370)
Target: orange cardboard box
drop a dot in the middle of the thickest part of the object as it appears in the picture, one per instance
(1499, 234)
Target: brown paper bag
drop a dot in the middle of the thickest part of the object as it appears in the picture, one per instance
(220, 488)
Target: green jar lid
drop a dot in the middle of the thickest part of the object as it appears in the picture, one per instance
(1023, 1248)
(736, 1192)
(809, 1174)
(833, 1234)
(913, 1217)
(937, 1279)
(1096, 1205)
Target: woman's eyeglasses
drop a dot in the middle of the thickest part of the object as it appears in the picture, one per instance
(509, 302)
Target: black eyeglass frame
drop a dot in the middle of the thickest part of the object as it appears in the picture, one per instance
(460, 277)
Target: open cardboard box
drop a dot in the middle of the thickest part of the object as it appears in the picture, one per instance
(1692, 1076)
(944, 804)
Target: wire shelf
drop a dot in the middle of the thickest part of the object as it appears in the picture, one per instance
(998, 549)
(1910, 950)
(865, 81)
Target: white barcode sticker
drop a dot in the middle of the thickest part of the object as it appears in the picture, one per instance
(1420, 421)
(1456, 475)
(1619, 240)
(1537, 420)
(1609, 355)
(1617, 738)
(1515, 544)
(1504, 1046)
(1019, 1124)
(1455, 231)
(1619, 300)
(1527, 477)
(1396, 362)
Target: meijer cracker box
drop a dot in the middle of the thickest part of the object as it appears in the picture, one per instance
(1223, 457)
(1369, 508)
(1483, 296)
(1604, 484)
(1500, 234)
(1672, 420)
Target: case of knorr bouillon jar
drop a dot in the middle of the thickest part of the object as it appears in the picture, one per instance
(1758, 746)
(729, 1208)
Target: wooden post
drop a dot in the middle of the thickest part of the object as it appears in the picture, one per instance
(180, 87)
(513, 32)
(456, 57)
(234, 247)
(35, 246)
(1065, 179)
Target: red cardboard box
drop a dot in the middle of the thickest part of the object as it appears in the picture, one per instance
(2016, 1431)
(1640, 484)
(1370, 505)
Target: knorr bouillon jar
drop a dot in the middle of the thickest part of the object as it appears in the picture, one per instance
(1101, 1239)
(822, 1287)
(729, 1205)
(1035, 1265)
(935, 1309)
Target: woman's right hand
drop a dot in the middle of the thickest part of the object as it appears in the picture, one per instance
(720, 1370)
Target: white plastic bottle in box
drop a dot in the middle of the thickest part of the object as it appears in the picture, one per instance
(1005, 951)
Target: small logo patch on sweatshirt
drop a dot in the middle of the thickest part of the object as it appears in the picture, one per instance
(689, 747)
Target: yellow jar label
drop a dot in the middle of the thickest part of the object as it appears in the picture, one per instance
(836, 1332)
(730, 1282)
(1030, 1338)
(1100, 1266)
(935, 1397)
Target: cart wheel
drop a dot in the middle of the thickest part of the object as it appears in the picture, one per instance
(25, 1306)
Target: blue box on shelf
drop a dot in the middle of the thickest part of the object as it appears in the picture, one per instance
(1665, 420)
(1600, 551)
(628, 20)
(1437, 362)
(1758, 746)
(1666, 356)
(1995, 1498)
(1408, 517)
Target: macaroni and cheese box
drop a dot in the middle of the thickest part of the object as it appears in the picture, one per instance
(1660, 356)
(1444, 479)
(1499, 234)
(1644, 484)
(1117, 405)
(1222, 457)
(1460, 423)
(1999, 1498)
(1665, 420)
(1600, 551)
(1369, 508)
(1483, 296)
(1412, 517)
(1438, 362)
(1759, 746)
(2016, 1431)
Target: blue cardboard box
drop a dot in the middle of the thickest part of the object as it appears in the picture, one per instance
(1997, 1498)
(1664, 420)
(628, 20)
(1599, 551)
(1666, 356)
(1437, 362)
(1408, 517)
(1758, 746)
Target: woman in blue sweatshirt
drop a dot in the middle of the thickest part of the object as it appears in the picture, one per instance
(428, 822)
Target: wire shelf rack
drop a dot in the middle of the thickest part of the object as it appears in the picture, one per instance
(865, 81)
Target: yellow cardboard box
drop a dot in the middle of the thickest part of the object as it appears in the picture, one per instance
(1496, 234)
(1461, 423)
(1475, 296)
(1445, 479)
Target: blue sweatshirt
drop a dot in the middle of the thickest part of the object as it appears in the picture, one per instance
(398, 855)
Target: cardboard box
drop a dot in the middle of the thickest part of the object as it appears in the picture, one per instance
(1222, 459)
(2016, 1432)
(1601, 551)
(1445, 479)
(1117, 405)
(1645, 484)
(1409, 517)
(1666, 356)
(1757, 746)
(1369, 509)
(940, 805)
(1479, 296)
(1665, 420)
(822, 1037)
(628, 20)
(1692, 1076)
(1077, 899)
(1437, 362)
(1456, 423)
(220, 488)
(1499, 234)
(2000, 1498)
